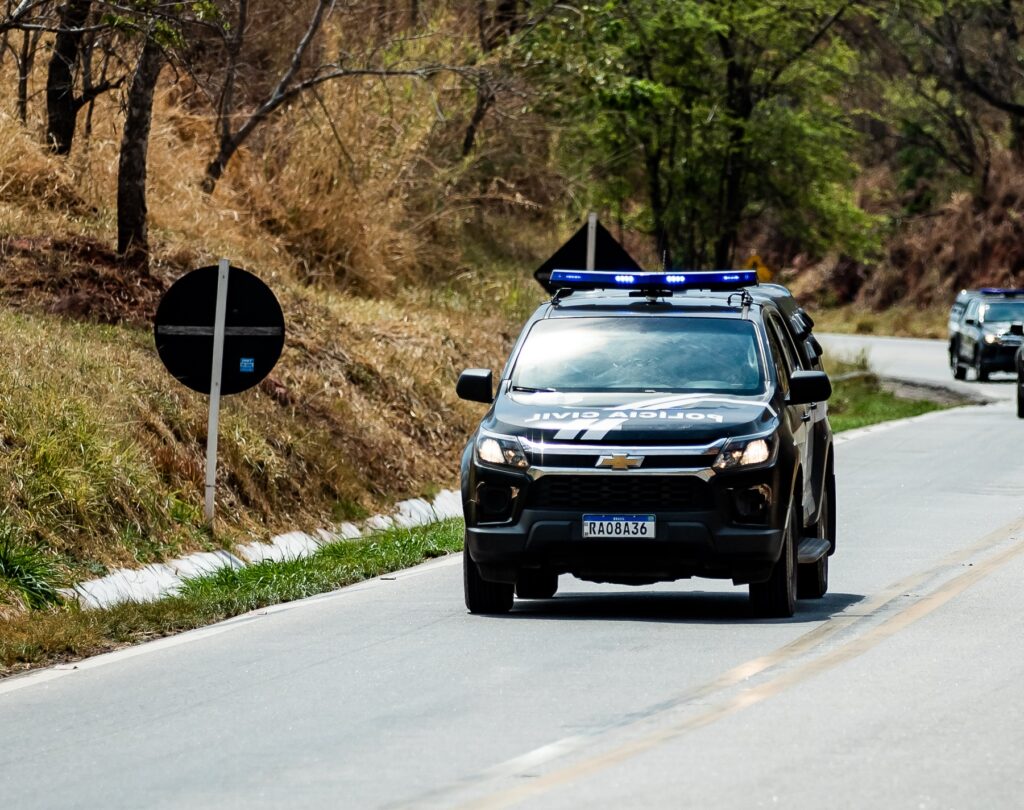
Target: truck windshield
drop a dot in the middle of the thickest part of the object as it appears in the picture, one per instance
(645, 354)
(1003, 311)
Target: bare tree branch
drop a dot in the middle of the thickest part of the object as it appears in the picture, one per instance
(289, 87)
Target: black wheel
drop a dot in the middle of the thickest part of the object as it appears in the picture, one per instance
(776, 597)
(980, 371)
(483, 596)
(812, 578)
(536, 584)
(1020, 398)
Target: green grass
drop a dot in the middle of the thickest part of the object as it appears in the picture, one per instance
(858, 398)
(63, 633)
(27, 574)
(229, 591)
(860, 401)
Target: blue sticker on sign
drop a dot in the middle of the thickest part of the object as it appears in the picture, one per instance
(247, 365)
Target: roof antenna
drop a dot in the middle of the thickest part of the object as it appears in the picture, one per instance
(560, 293)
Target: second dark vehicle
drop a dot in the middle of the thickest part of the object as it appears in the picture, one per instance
(650, 427)
(985, 331)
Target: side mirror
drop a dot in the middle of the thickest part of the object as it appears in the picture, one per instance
(970, 322)
(806, 387)
(1017, 329)
(475, 385)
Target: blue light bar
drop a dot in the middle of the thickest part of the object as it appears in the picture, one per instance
(1000, 291)
(674, 280)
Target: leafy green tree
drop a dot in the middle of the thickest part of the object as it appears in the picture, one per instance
(954, 68)
(711, 115)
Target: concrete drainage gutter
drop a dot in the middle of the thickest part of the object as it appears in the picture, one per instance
(152, 582)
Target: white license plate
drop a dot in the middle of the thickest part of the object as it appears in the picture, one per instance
(618, 525)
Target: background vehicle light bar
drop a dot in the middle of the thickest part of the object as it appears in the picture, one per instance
(673, 280)
(1000, 291)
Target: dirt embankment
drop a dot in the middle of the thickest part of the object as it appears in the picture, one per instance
(974, 239)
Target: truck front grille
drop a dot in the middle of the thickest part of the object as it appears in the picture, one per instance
(619, 492)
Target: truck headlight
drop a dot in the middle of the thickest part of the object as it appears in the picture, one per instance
(744, 453)
(503, 451)
(990, 339)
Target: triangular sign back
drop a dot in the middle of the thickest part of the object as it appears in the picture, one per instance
(608, 255)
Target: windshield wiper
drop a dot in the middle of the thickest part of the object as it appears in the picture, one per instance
(528, 390)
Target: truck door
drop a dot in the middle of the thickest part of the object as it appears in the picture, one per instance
(800, 417)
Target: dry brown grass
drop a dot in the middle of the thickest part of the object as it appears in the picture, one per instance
(900, 321)
(971, 240)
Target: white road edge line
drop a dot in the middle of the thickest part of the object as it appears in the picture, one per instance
(882, 427)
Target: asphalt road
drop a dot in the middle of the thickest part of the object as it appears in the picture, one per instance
(902, 688)
(916, 360)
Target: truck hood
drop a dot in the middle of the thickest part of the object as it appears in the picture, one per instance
(629, 418)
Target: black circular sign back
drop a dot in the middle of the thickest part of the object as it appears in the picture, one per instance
(253, 337)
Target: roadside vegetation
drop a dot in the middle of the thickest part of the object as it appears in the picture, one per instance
(902, 320)
(860, 399)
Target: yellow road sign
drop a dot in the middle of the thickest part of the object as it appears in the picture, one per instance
(764, 272)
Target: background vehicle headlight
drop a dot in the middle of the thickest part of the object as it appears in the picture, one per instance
(744, 454)
(990, 339)
(503, 451)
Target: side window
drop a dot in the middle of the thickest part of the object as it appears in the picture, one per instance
(792, 359)
(782, 370)
(972, 310)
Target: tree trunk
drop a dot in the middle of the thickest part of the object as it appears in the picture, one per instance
(484, 100)
(61, 105)
(215, 168)
(652, 156)
(132, 243)
(739, 98)
(25, 60)
(494, 31)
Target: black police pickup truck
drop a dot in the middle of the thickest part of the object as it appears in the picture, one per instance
(985, 330)
(650, 427)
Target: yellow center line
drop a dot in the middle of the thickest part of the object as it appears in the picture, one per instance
(788, 678)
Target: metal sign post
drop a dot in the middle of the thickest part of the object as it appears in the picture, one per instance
(591, 240)
(220, 318)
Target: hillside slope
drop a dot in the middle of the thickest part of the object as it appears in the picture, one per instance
(104, 451)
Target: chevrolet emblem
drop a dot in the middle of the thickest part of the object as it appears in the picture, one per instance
(620, 461)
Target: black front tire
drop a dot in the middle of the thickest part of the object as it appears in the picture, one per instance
(980, 371)
(812, 578)
(483, 596)
(1020, 398)
(776, 597)
(536, 584)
